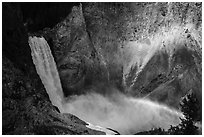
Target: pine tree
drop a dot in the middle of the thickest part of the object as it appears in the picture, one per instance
(189, 107)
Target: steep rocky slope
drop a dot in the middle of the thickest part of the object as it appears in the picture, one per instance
(172, 64)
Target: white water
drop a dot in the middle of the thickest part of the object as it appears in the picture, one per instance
(47, 70)
(124, 114)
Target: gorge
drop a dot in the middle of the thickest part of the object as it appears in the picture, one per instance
(120, 67)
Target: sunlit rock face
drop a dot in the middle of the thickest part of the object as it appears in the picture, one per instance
(150, 50)
(168, 68)
(157, 46)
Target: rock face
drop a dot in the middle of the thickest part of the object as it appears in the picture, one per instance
(79, 63)
(171, 66)
(165, 54)
(156, 54)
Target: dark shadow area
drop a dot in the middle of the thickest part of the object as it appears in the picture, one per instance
(40, 15)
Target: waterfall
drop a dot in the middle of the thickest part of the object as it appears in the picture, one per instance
(116, 111)
(47, 70)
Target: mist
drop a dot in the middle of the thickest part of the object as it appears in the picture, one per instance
(127, 115)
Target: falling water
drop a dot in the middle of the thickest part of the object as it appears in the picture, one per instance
(46, 69)
(125, 114)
